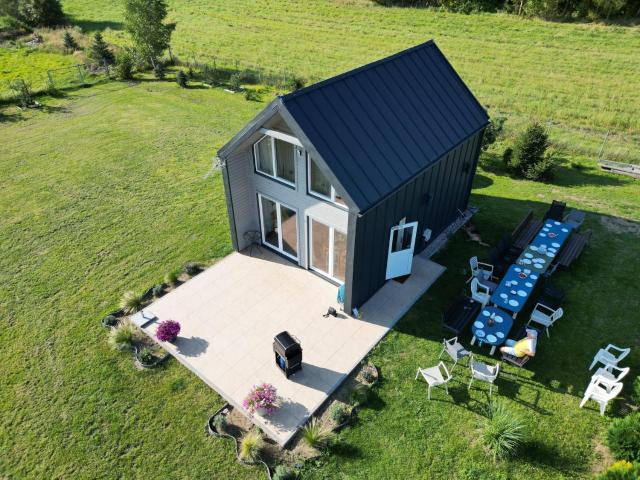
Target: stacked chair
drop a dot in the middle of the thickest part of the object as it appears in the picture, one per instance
(606, 384)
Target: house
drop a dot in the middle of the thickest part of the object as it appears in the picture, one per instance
(353, 176)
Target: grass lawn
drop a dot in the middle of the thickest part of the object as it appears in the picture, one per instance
(580, 77)
(108, 190)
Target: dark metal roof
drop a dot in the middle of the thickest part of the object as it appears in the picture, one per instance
(378, 126)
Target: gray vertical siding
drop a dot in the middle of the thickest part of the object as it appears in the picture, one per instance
(445, 182)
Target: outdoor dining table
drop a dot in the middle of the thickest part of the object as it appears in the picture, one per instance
(515, 289)
(537, 259)
(552, 234)
(491, 326)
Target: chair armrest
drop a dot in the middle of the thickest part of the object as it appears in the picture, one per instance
(543, 306)
(488, 265)
(611, 345)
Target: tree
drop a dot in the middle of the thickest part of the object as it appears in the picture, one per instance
(144, 22)
(100, 52)
(492, 132)
(70, 42)
(38, 13)
(182, 79)
(528, 159)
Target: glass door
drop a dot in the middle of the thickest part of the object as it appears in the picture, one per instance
(327, 250)
(279, 226)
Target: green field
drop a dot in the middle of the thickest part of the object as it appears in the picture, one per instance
(108, 189)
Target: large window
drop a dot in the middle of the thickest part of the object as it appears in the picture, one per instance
(276, 158)
(328, 247)
(320, 186)
(279, 226)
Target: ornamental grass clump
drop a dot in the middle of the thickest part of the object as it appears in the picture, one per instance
(503, 431)
(623, 437)
(316, 435)
(131, 302)
(122, 335)
(250, 446)
(262, 398)
(168, 330)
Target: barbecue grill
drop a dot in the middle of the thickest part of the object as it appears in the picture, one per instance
(288, 353)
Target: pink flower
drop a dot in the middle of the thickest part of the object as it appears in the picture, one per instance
(168, 330)
(263, 396)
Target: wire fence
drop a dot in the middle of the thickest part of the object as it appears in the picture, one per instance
(56, 80)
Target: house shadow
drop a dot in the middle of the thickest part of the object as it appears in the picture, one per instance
(536, 452)
(192, 346)
(285, 417)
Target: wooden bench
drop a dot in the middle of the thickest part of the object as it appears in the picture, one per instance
(571, 250)
(526, 230)
(459, 314)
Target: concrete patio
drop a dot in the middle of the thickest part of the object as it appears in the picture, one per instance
(230, 313)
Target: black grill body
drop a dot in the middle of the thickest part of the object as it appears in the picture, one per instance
(288, 353)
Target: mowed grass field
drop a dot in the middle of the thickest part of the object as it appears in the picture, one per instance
(582, 78)
(108, 189)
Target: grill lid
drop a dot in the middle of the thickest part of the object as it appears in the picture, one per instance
(286, 344)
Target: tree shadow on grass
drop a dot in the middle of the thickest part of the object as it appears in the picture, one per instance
(345, 450)
(564, 174)
(91, 26)
(536, 452)
(9, 118)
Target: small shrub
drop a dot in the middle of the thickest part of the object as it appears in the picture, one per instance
(146, 356)
(235, 82)
(360, 394)
(492, 132)
(529, 159)
(220, 422)
(157, 290)
(317, 436)
(503, 432)
(191, 268)
(131, 302)
(635, 391)
(191, 74)
(168, 330)
(69, 42)
(182, 79)
(171, 278)
(621, 470)
(283, 473)
(339, 414)
(252, 95)
(22, 92)
(122, 336)
(263, 397)
(296, 83)
(124, 66)
(368, 374)
(159, 71)
(623, 437)
(250, 446)
(110, 321)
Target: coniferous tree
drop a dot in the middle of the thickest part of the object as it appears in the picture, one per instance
(100, 51)
(70, 42)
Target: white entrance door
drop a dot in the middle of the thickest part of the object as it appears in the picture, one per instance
(402, 241)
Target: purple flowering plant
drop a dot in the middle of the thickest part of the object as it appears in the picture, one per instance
(168, 330)
(263, 396)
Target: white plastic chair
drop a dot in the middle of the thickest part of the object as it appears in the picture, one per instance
(601, 393)
(609, 375)
(606, 357)
(484, 270)
(545, 316)
(434, 377)
(455, 350)
(483, 372)
(480, 293)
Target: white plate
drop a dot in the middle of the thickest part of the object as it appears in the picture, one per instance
(517, 269)
(533, 248)
(534, 277)
(498, 319)
(478, 324)
(503, 295)
(480, 333)
(522, 293)
(499, 334)
(491, 338)
(556, 223)
(528, 284)
(555, 245)
(527, 271)
(539, 260)
(543, 234)
(526, 261)
(514, 303)
(528, 255)
(565, 230)
(539, 266)
(514, 282)
(486, 313)
(545, 229)
(550, 254)
(548, 225)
